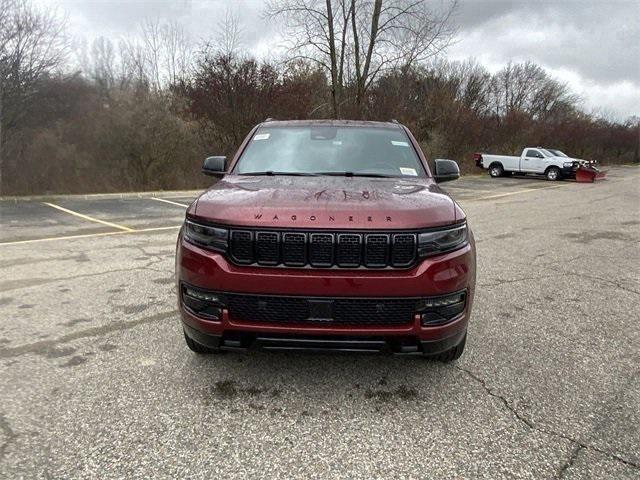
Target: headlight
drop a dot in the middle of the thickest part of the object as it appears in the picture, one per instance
(211, 237)
(567, 164)
(443, 240)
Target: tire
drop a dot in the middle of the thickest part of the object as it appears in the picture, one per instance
(196, 347)
(451, 355)
(553, 174)
(496, 170)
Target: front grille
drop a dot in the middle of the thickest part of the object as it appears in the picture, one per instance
(403, 250)
(337, 311)
(242, 246)
(323, 249)
(267, 248)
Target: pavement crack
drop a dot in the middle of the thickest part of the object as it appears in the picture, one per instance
(46, 345)
(8, 432)
(500, 282)
(614, 283)
(532, 426)
(569, 463)
(502, 399)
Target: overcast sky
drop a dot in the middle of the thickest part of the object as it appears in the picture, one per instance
(592, 45)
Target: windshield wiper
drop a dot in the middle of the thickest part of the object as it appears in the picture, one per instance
(271, 173)
(356, 174)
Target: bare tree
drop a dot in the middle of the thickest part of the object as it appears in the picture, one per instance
(528, 88)
(355, 41)
(32, 46)
(159, 56)
(177, 52)
(230, 33)
(102, 67)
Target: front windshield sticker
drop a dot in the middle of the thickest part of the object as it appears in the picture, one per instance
(399, 144)
(408, 171)
(261, 136)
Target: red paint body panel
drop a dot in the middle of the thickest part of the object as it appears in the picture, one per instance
(434, 276)
(333, 203)
(326, 202)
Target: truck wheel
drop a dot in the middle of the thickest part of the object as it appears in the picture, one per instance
(452, 354)
(196, 347)
(496, 170)
(553, 174)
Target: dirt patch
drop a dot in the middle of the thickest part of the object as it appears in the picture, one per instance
(107, 347)
(75, 321)
(229, 389)
(590, 236)
(387, 396)
(74, 361)
(59, 352)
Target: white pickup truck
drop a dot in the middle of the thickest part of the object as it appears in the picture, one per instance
(551, 163)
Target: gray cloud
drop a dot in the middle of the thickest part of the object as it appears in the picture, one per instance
(599, 40)
(592, 45)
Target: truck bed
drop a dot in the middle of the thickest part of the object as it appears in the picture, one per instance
(509, 162)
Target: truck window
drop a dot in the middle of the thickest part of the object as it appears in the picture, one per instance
(533, 154)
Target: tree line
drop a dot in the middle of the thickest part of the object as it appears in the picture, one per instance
(141, 113)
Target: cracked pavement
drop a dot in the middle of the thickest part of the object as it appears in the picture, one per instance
(97, 382)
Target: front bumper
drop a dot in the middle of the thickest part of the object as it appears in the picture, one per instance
(434, 276)
(568, 172)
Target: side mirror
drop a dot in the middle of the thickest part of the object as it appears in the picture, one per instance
(214, 166)
(446, 170)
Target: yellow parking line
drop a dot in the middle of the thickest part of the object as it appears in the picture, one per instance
(459, 191)
(169, 201)
(90, 235)
(517, 192)
(87, 217)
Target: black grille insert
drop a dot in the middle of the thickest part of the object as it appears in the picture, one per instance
(349, 250)
(403, 251)
(267, 248)
(294, 251)
(323, 249)
(344, 311)
(242, 246)
(376, 250)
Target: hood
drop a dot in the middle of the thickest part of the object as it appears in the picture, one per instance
(567, 159)
(326, 202)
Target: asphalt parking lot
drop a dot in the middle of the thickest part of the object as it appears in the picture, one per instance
(98, 383)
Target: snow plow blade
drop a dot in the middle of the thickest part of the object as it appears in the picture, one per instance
(589, 174)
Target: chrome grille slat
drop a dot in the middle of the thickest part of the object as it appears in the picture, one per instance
(321, 249)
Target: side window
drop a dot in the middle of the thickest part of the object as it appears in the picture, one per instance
(533, 154)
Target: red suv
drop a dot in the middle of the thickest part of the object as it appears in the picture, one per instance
(327, 235)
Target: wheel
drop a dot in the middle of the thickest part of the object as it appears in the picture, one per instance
(553, 174)
(496, 170)
(196, 347)
(451, 354)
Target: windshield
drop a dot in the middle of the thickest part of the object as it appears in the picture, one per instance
(318, 149)
(557, 153)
